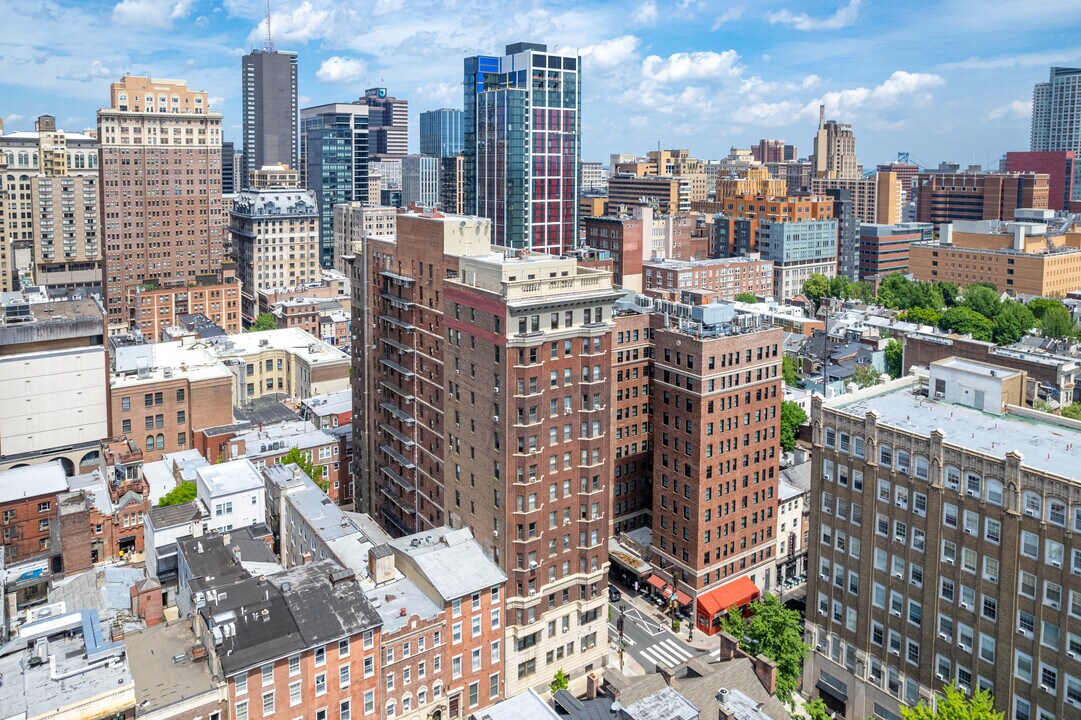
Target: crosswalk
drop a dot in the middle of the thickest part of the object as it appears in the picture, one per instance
(666, 653)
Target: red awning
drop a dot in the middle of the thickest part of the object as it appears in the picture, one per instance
(683, 598)
(656, 582)
(733, 594)
(668, 591)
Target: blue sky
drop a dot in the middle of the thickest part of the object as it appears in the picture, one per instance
(942, 79)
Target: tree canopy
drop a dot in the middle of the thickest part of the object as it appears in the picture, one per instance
(817, 710)
(304, 462)
(1072, 411)
(746, 298)
(966, 321)
(792, 416)
(265, 321)
(182, 493)
(865, 375)
(898, 292)
(816, 288)
(1057, 323)
(772, 630)
(895, 353)
(1039, 306)
(789, 372)
(560, 682)
(1012, 322)
(982, 299)
(955, 705)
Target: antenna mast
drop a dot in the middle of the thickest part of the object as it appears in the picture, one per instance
(268, 46)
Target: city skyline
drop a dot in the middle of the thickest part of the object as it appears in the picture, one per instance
(693, 75)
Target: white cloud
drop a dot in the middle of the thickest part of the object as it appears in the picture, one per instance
(645, 14)
(386, 7)
(151, 13)
(845, 16)
(683, 66)
(14, 117)
(216, 101)
(302, 24)
(610, 53)
(1016, 110)
(341, 69)
(94, 70)
(730, 15)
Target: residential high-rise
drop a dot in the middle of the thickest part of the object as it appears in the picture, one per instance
(593, 176)
(158, 140)
(848, 232)
(420, 180)
(452, 184)
(334, 163)
(1056, 112)
(522, 145)
(356, 222)
(269, 121)
(667, 195)
(528, 367)
(943, 551)
(773, 151)
(834, 150)
(275, 234)
(876, 198)
(441, 132)
(388, 122)
(228, 169)
(715, 496)
(906, 175)
(946, 197)
(51, 182)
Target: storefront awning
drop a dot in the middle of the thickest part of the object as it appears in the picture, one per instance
(683, 598)
(668, 591)
(656, 582)
(732, 594)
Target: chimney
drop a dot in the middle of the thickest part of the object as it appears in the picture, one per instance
(592, 686)
(728, 646)
(381, 564)
(766, 671)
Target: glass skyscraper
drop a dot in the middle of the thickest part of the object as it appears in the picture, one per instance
(441, 132)
(334, 163)
(522, 146)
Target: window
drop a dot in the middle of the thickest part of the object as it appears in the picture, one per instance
(241, 710)
(241, 684)
(343, 677)
(268, 703)
(294, 693)
(369, 702)
(321, 684)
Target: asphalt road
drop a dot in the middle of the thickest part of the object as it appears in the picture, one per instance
(645, 640)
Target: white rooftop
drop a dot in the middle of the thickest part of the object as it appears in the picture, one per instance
(32, 481)
(230, 477)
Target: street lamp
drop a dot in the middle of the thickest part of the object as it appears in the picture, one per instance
(619, 627)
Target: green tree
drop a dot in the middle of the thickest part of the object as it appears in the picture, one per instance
(1072, 411)
(966, 321)
(560, 682)
(773, 630)
(1039, 306)
(1057, 323)
(304, 462)
(865, 375)
(840, 287)
(862, 291)
(817, 710)
(920, 315)
(949, 292)
(816, 288)
(1012, 322)
(265, 321)
(895, 359)
(792, 416)
(982, 299)
(789, 372)
(954, 705)
(746, 298)
(897, 291)
(182, 493)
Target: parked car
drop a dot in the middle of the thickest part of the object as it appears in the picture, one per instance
(614, 595)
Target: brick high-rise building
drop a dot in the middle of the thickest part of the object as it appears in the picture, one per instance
(884, 249)
(946, 197)
(1063, 171)
(161, 199)
(528, 369)
(716, 450)
(773, 151)
(52, 186)
(631, 409)
(876, 198)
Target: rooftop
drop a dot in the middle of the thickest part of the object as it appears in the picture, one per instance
(230, 477)
(1045, 444)
(163, 669)
(452, 561)
(331, 404)
(524, 706)
(32, 481)
(174, 515)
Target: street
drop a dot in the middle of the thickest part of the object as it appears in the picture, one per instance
(646, 640)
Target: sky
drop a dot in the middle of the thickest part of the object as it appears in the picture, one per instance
(940, 79)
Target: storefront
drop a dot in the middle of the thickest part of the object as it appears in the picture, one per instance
(715, 604)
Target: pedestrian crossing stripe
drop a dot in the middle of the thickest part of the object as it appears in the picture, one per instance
(666, 653)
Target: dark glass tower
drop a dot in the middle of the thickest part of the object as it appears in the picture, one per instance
(522, 146)
(441, 132)
(334, 163)
(269, 82)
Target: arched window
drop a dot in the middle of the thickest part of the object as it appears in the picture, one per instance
(1033, 503)
(830, 439)
(161, 441)
(34, 159)
(407, 702)
(93, 160)
(885, 456)
(149, 442)
(993, 488)
(952, 478)
(422, 696)
(904, 464)
(437, 690)
(24, 159)
(921, 467)
(80, 161)
(1056, 512)
(973, 484)
(390, 708)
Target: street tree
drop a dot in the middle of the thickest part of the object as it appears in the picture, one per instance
(772, 630)
(955, 705)
(792, 416)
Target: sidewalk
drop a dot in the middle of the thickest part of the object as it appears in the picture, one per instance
(697, 639)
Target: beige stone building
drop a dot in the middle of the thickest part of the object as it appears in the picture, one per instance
(942, 546)
(875, 199)
(754, 181)
(161, 197)
(51, 182)
(275, 176)
(355, 221)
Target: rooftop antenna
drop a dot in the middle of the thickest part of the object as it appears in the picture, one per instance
(268, 46)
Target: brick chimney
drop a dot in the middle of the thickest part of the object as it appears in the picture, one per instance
(766, 670)
(729, 646)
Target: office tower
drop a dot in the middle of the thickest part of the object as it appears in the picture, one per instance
(945, 197)
(942, 553)
(1063, 172)
(441, 132)
(848, 233)
(667, 195)
(713, 508)
(876, 198)
(400, 427)
(884, 249)
(354, 223)
(522, 130)
(270, 109)
(228, 169)
(529, 358)
(158, 139)
(420, 181)
(452, 184)
(275, 232)
(389, 171)
(1056, 112)
(834, 150)
(388, 123)
(334, 163)
(593, 176)
(773, 151)
(51, 182)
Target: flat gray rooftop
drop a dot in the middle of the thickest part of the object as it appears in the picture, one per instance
(1047, 447)
(160, 680)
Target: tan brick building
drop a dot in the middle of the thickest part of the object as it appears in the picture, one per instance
(631, 406)
(161, 195)
(216, 295)
(949, 197)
